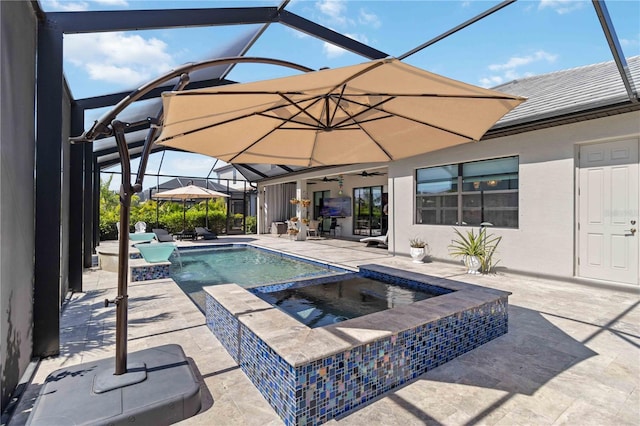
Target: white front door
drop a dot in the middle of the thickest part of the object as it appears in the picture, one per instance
(608, 211)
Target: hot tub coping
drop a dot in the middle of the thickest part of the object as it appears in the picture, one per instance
(298, 344)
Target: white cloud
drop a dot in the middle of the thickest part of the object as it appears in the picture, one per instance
(518, 61)
(332, 51)
(369, 19)
(335, 10)
(491, 81)
(67, 6)
(113, 2)
(118, 57)
(80, 6)
(561, 6)
(509, 70)
(629, 43)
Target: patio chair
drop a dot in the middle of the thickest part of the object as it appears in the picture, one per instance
(162, 235)
(205, 233)
(380, 240)
(312, 229)
(140, 227)
(329, 224)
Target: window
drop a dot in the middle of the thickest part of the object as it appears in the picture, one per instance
(367, 211)
(469, 193)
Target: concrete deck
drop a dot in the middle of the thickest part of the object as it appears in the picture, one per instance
(571, 356)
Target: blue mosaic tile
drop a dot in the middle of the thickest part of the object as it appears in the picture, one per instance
(318, 391)
(145, 273)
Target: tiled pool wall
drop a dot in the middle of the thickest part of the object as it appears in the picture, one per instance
(317, 391)
(325, 279)
(150, 271)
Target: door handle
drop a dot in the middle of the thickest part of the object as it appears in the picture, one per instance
(632, 231)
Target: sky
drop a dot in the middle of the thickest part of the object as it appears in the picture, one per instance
(523, 39)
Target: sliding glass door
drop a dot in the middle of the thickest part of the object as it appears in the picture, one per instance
(367, 211)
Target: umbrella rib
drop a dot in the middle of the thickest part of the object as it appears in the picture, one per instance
(344, 123)
(255, 142)
(231, 120)
(303, 110)
(335, 111)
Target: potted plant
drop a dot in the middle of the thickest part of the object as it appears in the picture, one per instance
(294, 201)
(418, 249)
(476, 249)
(305, 202)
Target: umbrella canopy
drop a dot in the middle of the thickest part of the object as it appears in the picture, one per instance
(189, 192)
(372, 112)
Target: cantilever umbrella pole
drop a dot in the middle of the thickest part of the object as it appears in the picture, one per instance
(107, 125)
(126, 191)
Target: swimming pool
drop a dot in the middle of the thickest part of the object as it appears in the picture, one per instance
(352, 297)
(194, 268)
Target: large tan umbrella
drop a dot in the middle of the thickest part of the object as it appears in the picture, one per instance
(189, 192)
(372, 112)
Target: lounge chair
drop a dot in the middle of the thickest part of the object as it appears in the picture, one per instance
(162, 235)
(205, 234)
(380, 240)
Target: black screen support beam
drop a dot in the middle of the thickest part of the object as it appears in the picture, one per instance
(457, 28)
(96, 201)
(46, 295)
(616, 49)
(76, 204)
(126, 20)
(87, 206)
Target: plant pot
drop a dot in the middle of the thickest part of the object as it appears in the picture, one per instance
(417, 254)
(472, 263)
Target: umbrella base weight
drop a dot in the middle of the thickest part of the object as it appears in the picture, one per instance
(159, 387)
(106, 381)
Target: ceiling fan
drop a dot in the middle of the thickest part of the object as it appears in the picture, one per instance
(326, 179)
(367, 174)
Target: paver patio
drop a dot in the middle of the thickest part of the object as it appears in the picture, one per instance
(571, 356)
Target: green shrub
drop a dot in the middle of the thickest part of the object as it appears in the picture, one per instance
(164, 214)
(250, 224)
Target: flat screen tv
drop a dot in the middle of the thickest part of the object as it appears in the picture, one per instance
(336, 207)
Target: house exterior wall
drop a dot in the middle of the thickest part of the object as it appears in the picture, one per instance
(544, 242)
(18, 30)
(545, 239)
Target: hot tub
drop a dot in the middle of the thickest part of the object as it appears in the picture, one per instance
(341, 298)
(311, 375)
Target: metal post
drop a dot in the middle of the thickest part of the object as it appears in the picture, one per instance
(46, 285)
(123, 250)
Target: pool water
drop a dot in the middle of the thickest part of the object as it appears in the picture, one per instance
(193, 269)
(324, 304)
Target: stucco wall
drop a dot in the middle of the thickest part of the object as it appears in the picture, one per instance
(17, 135)
(544, 242)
